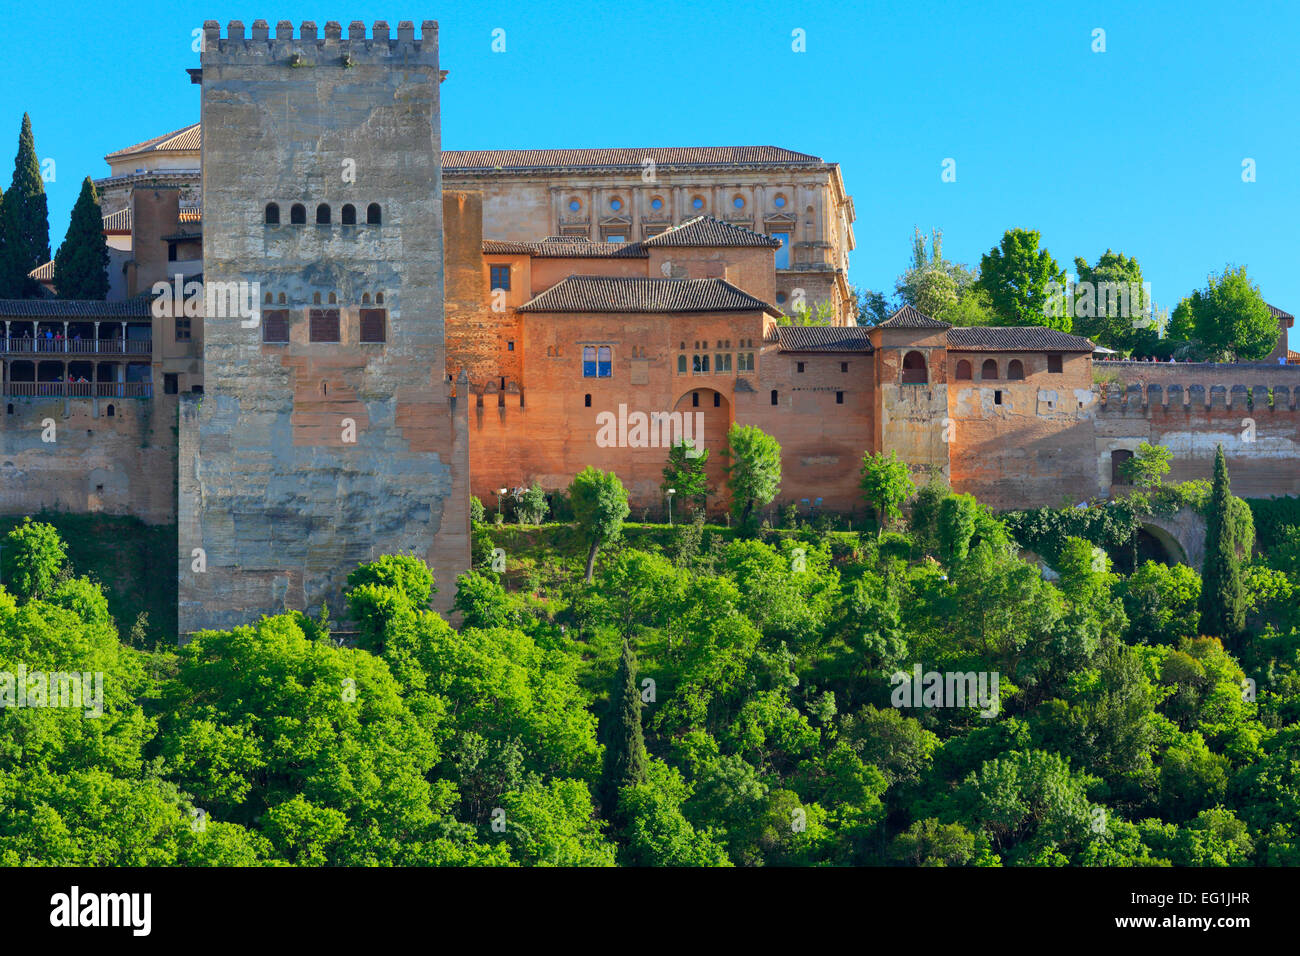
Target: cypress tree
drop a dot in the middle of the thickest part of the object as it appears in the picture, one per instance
(625, 757)
(26, 222)
(81, 266)
(1223, 599)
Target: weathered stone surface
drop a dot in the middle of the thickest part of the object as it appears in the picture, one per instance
(306, 458)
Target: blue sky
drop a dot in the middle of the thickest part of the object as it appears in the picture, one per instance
(1139, 148)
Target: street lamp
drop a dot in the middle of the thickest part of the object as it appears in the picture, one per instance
(671, 492)
(501, 493)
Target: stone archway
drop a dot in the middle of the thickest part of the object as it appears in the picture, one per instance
(714, 410)
(1180, 536)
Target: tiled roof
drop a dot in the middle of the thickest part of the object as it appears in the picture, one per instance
(1279, 313)
(909, 318)
(633, 294)
(823, 338)
(138, 307)
(43, 273)
(565, 247)
(471, 159)
(1292, 357)
(1016, 338)
(190, 215)
(184, 139)
(119, 221)
(708, 231)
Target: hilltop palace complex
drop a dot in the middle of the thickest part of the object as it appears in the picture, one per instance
(397, 326)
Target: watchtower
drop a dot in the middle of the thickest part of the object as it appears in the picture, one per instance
(327, 434)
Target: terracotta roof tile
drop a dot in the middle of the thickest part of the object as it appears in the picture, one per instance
(138, 307)
(909, 318)
(1279, 313)
(823, 338)
(43, 273)
(634, 294)
(487, 159)
(708, 231)
(565, 247)
(1016, 338)
(119, 221)
(182, 140)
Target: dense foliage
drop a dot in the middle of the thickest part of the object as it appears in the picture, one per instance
(707, 699)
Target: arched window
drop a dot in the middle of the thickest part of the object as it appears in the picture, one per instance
(774, 397)
(322, 215)
(373, 216)
(914, 371)
(989, 372)
(963, 371)
(113, 412)
(1117, 458)
(1015, 370)
(681, 365)
(349, 215)
(297, 214)
(272, 214)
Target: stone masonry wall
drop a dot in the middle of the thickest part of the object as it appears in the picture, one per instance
(306, 458)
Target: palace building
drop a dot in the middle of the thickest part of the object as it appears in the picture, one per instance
(418, 325)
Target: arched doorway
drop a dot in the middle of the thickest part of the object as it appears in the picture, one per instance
(707, 412)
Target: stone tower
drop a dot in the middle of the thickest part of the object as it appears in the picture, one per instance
(327, 434)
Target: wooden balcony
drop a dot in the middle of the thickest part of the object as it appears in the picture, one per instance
(78, 389)
(26, 345)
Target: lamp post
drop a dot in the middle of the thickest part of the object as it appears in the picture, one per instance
(501, 493)
(671, 492)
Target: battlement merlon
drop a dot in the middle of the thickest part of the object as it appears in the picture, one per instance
(314, 47)
(1113, 399)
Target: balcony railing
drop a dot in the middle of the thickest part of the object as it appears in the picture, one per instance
(42, 346)
(78, 389)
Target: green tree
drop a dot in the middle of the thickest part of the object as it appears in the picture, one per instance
(1015, 274)
(685, 473)
(1147, 468)
(33, 557)
(886, 482)
(957, 520)
(81, 265)
(24, 222)
(625, 756)
(932, 285)
(599, 508)
(1099, 301)
(1226, 319)
(1223, 596)
(754, 474)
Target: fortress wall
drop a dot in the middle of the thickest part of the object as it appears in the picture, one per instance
(120, 465)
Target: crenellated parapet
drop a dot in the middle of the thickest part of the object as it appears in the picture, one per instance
(313, 46)
(1193, 397)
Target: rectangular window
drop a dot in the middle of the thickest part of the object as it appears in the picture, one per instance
(839, 398)
(783, 254)
(800, 364)
(182, 330)
(510, 346)
(171, 383)
(1054, 363)
(373, 325)
(597, 362)
(844, 366)
(275, 326)
(500, 277)
(700, 364)
(324, 325)
(171, 252)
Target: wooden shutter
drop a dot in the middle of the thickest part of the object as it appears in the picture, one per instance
(373, 325)
(325, 325)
